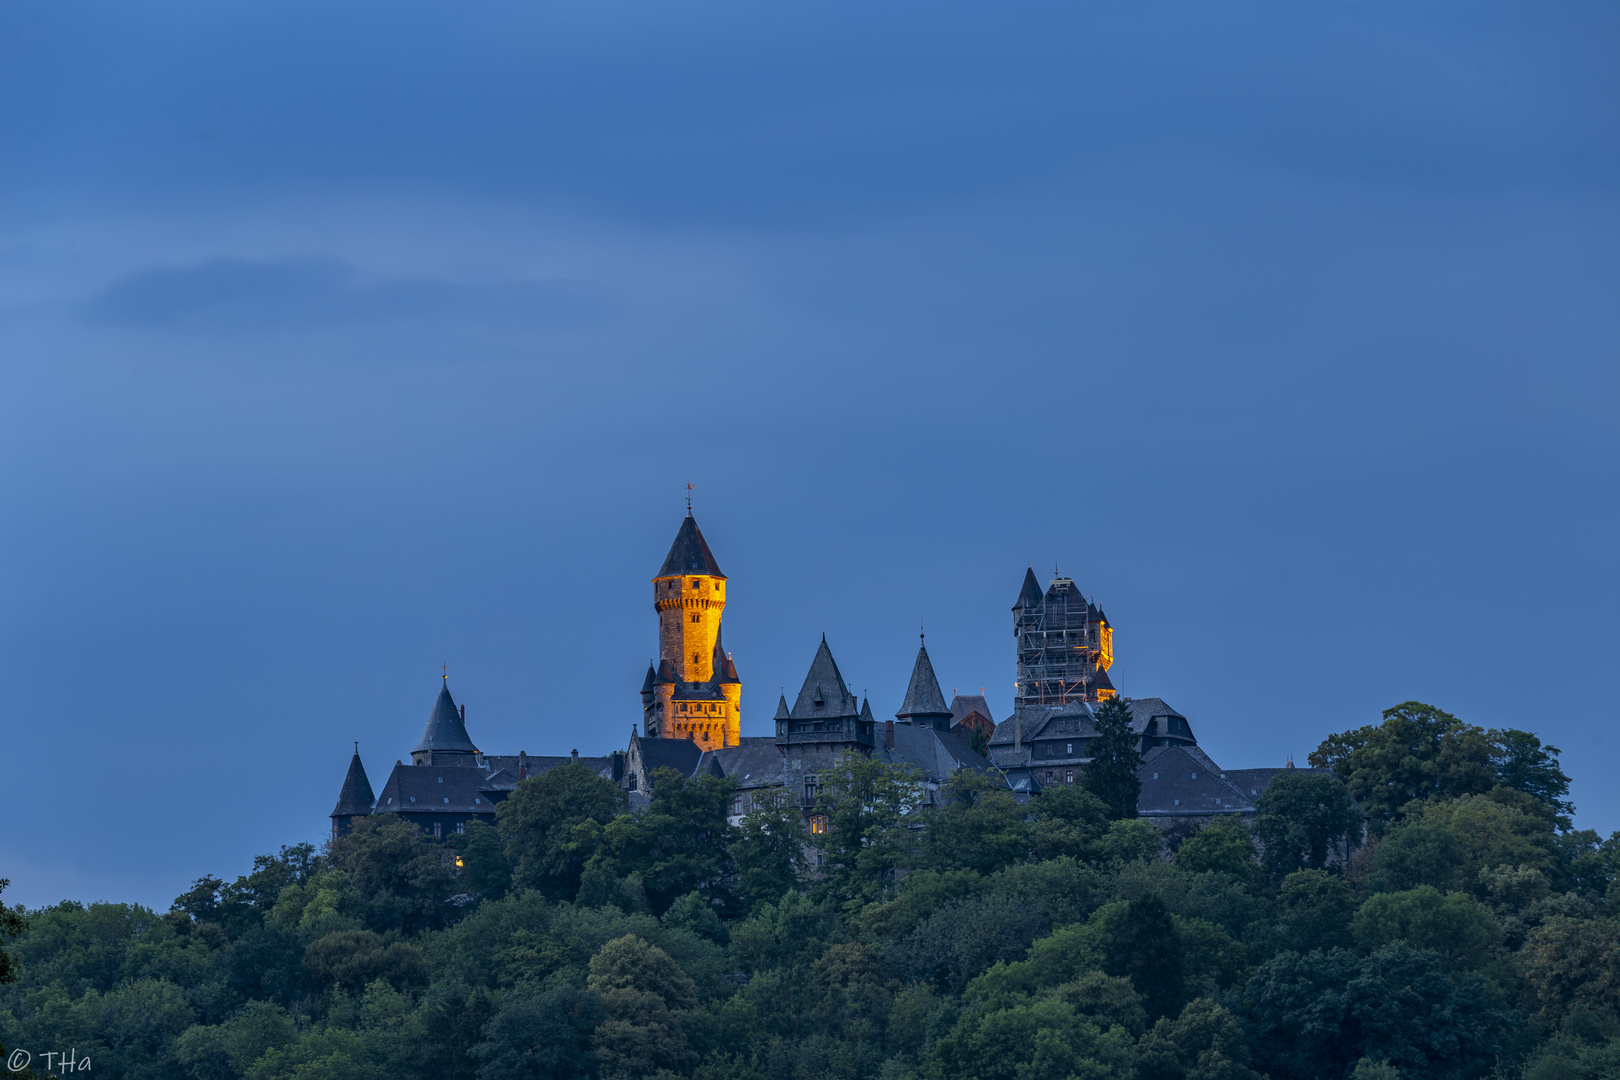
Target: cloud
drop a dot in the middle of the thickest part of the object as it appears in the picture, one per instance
(225, 293)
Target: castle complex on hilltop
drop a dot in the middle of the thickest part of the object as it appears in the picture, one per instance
(691, 713)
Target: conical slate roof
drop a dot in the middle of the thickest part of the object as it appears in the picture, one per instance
(445, 733)
(781, 709)
(690, 553)
(356, 796)
(1030, 594)
(1101, 681)
(923, 696)
(724, 670)
(825, 685)
(647, 683)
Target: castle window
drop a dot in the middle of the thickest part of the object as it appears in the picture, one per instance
(1155, 776)
(818, 824)
(413, 798)
(1068, 777)
(736, 805)
(461, 826)
(1177, 802)
(438, 831)
(1070, 750)
(1048, 776)
(478, 800)
(632, 781)
(1217, 802)
(441, 779)
(446, 800)
(695, 583)
(458, 862)
(697, 618)
(1195, 776)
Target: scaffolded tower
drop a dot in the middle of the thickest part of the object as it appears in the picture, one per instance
(1065, 645)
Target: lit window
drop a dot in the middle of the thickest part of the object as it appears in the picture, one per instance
(458, 862)
(818, 824)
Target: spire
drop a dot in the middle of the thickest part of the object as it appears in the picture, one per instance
(1101, 682)
(781, 708)
(724, 670)
(1030, 594)
(356, 798)
(924, 704)
(666, 671)
(652, 677)
(445, 731)
(690, 553)
(825, 685)
(866, 711)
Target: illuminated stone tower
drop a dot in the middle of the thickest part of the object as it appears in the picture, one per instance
(693, 690)
(1065, 645)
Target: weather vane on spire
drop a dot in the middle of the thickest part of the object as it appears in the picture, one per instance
(446, 672)
(689, 488)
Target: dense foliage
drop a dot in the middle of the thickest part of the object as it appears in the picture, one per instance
(968, 936)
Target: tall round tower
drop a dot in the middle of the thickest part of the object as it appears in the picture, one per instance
(696, 692)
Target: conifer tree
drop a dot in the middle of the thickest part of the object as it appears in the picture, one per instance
(1111, 776)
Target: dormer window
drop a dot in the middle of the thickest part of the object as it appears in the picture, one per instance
(1195, 776)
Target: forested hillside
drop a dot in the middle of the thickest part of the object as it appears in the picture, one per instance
(1471, 933)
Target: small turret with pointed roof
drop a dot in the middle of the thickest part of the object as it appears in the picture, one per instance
(356, 799)
(925, 704)
(1030, 595)
(444, 740)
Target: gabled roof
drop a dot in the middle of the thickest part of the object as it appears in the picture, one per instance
(356, 796)
(824, 694)
(690, 553)
(923, 696)
(755, 763)
(436, 789)
(445, 732)
(1182, 780)
(936, 754)
(962, 704)
(682, 755)
(1030, 594)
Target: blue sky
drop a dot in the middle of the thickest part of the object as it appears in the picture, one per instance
(344, 341)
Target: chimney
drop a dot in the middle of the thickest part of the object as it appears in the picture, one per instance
(888, 734)
(464, 712)
(523, 764)
(573, 755)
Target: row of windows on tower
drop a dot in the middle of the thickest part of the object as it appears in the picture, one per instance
(710, 709)
(696, 584)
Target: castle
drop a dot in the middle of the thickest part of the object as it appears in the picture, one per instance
(691, 721)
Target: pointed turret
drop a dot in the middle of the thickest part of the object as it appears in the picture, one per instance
(1101, 686)
(690, 553)
(445, 734)
(1030, 594)
(356, 799)
(925, 704)
(781, 708)
(824, 693)
(666, 673)
(866, 712)
(724, 670)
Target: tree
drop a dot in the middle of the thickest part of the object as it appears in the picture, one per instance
(1315, 1015)
(1115, 759)
(1451, 841)
(537, 824)
(1314, 909)
(12, 924)
(1456, 927)
(1417, 753)
(1224, 845)
(1204, 1043)
(1044, 1038)
(767, 852)
(546, 1037)
(1146, 949)
(1304, 818)
(1524, 764)
(404, 880)
(861, 843)
(677, 844)
(1569, 965)
(977, 825)
(484, 869)
(644, 993)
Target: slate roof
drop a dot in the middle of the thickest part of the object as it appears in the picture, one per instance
(437, 789)
(445, 732)
(1100, 681)
(782, 709)
(756, 763)
(824, 681)
(690, 553)
(1030, 594)
(356, 796)
(936, 753)
(1182, 780)
(682, 755)
(962, 704)
(1252, 782)
(724, 670)
(923, 696)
